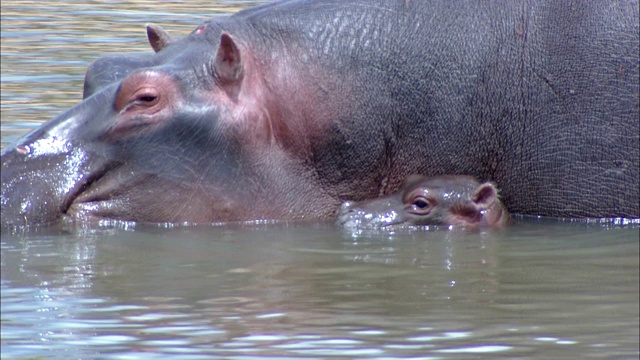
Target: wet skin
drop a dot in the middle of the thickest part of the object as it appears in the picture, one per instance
(285, 111)
(454, 200)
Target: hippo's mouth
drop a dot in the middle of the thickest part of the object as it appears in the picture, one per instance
(103, 194)
(80, 203)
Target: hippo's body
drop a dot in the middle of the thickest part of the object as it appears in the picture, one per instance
(286, 110)
(457, 201)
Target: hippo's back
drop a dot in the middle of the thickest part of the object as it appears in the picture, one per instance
(541, 97)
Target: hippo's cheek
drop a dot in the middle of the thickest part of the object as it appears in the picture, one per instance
(128, 193)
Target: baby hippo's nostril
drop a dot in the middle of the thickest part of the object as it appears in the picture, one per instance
(346, 206)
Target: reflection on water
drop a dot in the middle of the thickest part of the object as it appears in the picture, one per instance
(535, 290)
(314, 291)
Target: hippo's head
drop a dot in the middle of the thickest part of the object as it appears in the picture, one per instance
(452, 200)
(180, 136)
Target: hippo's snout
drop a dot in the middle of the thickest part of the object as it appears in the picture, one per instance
(347, 207)
(365, 216)
(31, 187)
(44, 172)
(348, 215)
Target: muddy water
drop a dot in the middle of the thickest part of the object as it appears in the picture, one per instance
(539, 289)
(543, 291)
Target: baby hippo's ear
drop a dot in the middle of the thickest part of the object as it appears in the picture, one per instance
(486, 195)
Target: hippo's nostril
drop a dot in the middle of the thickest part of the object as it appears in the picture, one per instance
(347, 206)
(23, 149)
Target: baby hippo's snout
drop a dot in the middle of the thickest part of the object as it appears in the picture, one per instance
(375, 214)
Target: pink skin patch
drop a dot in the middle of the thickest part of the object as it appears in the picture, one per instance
(200, 29)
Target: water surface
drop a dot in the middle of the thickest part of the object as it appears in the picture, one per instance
(313, 291)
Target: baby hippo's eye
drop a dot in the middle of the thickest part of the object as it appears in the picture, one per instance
(420, 205)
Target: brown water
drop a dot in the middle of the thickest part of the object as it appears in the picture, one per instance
(539, 289)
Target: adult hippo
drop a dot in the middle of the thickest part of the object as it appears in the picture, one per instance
(286, 110)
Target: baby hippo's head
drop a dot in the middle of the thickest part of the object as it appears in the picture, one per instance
(453, 200)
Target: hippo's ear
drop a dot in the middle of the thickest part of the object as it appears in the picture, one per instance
(158, 38)
(486, 195)
(228, 67)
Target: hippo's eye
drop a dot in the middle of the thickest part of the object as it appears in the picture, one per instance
(146, 97)
(420, 205)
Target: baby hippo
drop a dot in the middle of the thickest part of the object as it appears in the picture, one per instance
(453, 200)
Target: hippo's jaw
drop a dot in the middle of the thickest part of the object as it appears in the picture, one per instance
(50, 179)
(99, 197)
